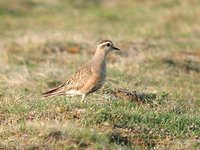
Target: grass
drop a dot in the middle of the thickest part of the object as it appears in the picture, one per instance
(43, 42)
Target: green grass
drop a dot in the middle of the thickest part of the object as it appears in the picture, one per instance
(43, 42)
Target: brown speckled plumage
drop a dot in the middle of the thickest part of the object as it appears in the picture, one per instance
(89, 78)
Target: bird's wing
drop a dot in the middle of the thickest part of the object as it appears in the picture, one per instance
(78, 80)
(75, 82)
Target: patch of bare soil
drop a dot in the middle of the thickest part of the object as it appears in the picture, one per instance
(135, 96)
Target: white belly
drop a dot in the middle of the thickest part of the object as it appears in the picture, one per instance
(73, 92)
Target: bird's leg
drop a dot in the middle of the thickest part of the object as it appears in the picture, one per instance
(83, 97)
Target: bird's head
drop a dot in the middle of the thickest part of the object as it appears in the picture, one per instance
(106, 46)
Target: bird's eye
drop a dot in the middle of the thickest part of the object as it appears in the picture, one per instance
(108, 45)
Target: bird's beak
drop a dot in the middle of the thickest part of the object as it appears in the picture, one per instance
(115, 48)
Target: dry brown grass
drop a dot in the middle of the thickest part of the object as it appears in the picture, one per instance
(44, 42)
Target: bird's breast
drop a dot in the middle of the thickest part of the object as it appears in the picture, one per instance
(101, 76)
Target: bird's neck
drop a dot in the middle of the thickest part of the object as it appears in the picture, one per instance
(98, 59)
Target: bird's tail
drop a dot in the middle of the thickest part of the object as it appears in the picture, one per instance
(53, 92)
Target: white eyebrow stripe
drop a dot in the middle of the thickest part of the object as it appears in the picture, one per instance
(104, 43)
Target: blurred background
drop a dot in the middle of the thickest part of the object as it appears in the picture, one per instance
(44, 41)
(99, 18)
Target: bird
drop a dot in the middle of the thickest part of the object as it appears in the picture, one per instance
(89, 78)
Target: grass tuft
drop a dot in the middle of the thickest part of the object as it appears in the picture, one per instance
(151, 96)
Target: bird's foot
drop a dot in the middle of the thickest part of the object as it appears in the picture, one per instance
(83, 101)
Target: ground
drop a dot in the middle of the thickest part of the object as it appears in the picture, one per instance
(151, 98)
